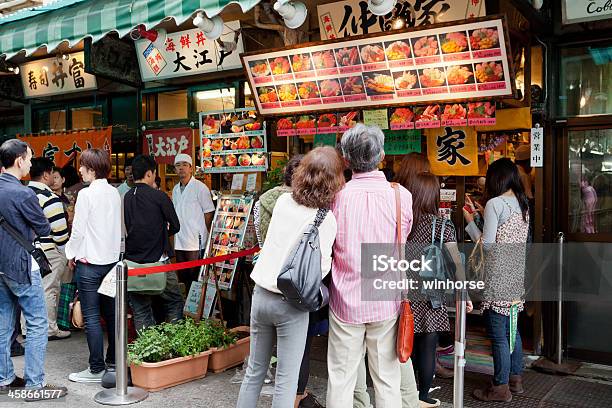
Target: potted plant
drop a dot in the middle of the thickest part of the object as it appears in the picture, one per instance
(169, 354)
(229, 347)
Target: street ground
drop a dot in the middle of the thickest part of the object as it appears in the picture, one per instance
(216, 390)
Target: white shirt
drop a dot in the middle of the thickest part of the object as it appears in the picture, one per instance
(289, 221)
(191, 205)
(96, 229)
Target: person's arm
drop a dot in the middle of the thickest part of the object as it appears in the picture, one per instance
(208, 219)
(54, 212)
(79, 224)
(208, 208)
(328, 231)
(33, 213)
(170, 216)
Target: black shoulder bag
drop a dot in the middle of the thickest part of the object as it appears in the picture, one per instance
(36, 253)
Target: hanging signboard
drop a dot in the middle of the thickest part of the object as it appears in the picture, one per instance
(65, 147)
(583, 11)
(188, 53)
(353, 17)
(56, 76)
(402, 142)
(227, 235)
(537, 146)
(453, 151)
(232, 142)
(165, 144)
(446, 63)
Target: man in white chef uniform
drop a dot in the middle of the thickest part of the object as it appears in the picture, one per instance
(195, 209)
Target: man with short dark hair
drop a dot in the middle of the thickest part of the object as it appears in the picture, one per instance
(129, 178)
(20, 280)
(149, 220)
(41, 175)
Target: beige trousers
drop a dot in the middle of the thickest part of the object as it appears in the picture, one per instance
(347, 345)
(408, 387)
(52, 287)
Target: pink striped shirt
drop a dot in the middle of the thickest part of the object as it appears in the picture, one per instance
(365, 212)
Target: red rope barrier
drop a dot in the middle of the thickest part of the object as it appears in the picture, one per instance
(191, 264)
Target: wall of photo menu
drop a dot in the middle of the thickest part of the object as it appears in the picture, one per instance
(447, 63)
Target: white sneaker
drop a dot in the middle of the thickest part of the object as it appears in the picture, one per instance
(86, 376)
(424, 404)
(60, 335)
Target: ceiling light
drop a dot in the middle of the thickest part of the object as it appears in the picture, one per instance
(582, 102)
(398, 23)
(14, 70)
(65, 57)
(381, 7)
(212, 27)
(157, 37)
(215, 94)
(293, 12)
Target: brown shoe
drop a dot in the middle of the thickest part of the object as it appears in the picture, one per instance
(443, 372)
(516, 384)
(494, 393)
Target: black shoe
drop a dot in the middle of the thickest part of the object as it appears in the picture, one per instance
(310, 401)
(109, 379)
(17, 350)
(47, 392)
(18, 382)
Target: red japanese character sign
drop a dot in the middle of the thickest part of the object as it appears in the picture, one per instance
(165, 144)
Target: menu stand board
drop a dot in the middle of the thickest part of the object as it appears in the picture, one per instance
(226, 236)
(232, 141)
(195, 305)
(435, 63)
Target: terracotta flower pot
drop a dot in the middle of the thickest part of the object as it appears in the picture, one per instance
(223, 358)
(168, 373)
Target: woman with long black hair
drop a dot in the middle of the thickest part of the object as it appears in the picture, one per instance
(504, 238)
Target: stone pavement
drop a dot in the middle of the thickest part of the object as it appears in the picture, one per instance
(216, 390)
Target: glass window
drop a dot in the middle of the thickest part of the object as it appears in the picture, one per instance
(215, 99)
(87, 117)
(249, 99)
(585, 86)
(172, 105)
(590, 181)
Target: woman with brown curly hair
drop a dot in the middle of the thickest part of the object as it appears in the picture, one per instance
(315, 183)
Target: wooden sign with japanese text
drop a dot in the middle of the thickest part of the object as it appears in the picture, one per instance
(56, 76)
(63, 148)
(441, 63)
(188, 53)
(165, 144)
(353, 17)
(452, 151)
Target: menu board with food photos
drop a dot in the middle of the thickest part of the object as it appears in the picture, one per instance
(444, 63)
(232, 141)
(227, 235)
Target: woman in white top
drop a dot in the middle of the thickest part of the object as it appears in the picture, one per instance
(94, 249)
(315, 183)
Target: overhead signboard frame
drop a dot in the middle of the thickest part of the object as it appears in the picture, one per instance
(442, 63)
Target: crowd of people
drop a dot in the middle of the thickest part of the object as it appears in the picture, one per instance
(351, 208)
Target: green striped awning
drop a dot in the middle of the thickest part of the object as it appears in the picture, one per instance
(95, 19)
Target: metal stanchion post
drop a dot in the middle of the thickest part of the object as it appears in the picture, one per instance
(560, 301)
(122, 394)
(460, 317)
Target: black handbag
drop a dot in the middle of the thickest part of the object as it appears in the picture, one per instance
(300, 278)
(36, 253)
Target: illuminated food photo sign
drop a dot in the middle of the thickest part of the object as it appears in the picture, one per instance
(441, 64)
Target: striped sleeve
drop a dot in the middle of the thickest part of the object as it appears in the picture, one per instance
(54, 211)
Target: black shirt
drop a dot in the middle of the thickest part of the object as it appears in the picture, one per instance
(149, 220)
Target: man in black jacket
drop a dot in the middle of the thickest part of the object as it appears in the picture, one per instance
(149, 221)
(20, 280)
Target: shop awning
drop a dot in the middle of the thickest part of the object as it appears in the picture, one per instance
(72, 20)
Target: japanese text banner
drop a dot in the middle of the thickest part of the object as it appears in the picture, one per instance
(452, 151)
(53, 76)
(165, 144)
(63, 148)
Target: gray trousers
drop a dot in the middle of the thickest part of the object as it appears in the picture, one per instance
(273, 318)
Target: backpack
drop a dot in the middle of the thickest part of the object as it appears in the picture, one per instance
(435, 255)
(300, 277)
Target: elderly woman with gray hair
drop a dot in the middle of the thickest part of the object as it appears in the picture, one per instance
(366, 213)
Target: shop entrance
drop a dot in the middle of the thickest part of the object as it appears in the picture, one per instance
(585, 215)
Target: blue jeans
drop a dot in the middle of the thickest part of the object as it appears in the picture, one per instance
(170, 300)
(504, 363)
(89, 277)
(31, 299)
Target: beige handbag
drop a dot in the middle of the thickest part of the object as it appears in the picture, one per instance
(77, 315)
(476, 261)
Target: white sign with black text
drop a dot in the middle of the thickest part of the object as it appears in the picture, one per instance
(189, 53)
(56, 76)
(580, 11)
(537, 147)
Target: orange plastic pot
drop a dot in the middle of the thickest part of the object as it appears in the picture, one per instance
(223, 358)
(168, 373)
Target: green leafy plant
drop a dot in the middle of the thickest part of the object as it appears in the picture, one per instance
(219, 336)
(275, 177)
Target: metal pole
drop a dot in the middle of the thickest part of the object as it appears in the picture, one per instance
(561, 238)
(122, 395)
(460, 317)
